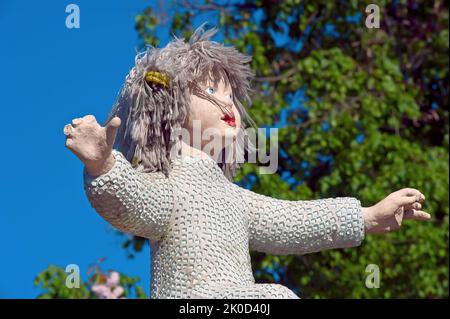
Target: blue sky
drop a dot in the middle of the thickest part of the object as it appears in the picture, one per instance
(49, 75)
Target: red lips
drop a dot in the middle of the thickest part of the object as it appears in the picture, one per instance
(229, 119)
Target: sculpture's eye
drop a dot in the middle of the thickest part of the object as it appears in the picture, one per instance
(210, 90)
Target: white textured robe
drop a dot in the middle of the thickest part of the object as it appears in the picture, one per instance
(201, 226)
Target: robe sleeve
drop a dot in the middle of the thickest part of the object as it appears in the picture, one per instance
(131, 201)
(283, 227)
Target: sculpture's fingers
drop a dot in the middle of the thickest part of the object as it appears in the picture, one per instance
(405, 200)
(416, 215)
(111, 130)
(411, 192)
(415, 205)
(76, 121)
(68, 130)
(89, 118)
(69, 142)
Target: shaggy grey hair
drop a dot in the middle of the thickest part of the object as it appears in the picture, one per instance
(151, 113)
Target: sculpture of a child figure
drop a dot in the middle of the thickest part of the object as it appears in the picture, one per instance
(200, 225)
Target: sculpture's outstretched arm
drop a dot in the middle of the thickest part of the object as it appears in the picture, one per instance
(298, 227)
(133, 202)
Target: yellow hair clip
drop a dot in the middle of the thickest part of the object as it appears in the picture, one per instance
(135, 161)
(157, 78)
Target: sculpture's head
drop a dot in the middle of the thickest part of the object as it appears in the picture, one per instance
(195, 88)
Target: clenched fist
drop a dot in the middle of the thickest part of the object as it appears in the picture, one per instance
(388, 214)
(92, 143)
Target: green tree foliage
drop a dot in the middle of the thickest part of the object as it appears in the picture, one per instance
(373, 118)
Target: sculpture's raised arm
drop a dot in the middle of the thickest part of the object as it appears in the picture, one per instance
(133, 202)
(130, 200)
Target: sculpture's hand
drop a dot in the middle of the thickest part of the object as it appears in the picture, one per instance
(388, 214)
(92, 143)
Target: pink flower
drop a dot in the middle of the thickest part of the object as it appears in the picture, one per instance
(117, 291)
(113, 279)
(111, 289)
(101, 290)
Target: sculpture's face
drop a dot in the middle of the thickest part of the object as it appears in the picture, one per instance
(209, 121)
